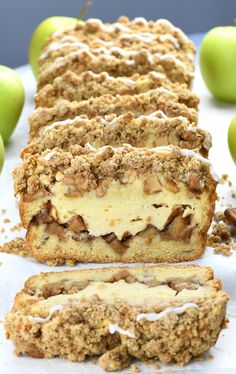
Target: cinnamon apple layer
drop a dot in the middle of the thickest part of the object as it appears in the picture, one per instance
(140, 104)
(119, 313)
(111, 204)
(155, 129)
(77, 87)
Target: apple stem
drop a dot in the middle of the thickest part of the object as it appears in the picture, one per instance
(85, 8)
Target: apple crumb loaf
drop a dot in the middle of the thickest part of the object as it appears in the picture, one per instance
(169, 313)
(116, 204)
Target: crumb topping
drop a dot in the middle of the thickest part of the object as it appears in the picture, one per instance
(140, 104)
(145, 131)
(90, 166)
(71, 86)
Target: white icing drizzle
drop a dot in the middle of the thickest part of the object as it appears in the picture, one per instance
(171, 39)
(144, 37)
(114, 327)
(140, 20)
(49, 155)
(106, 27)
(157, 75)
(90, 147)
(152, 59)
(163, 21)
(52, 310)
(192, 128)
(157, 114)
(169, 56)
(66, 122)
(158, 316)
(60, 45)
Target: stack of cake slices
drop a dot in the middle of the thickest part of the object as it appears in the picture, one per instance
(116, 170)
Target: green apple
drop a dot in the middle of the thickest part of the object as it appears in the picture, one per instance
(232, 138)
(12, 97)
(44, 30)
(218, 62)
(2, 153)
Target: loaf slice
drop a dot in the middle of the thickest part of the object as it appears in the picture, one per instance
(169, 313)
(116, 204)
(77, 87)
(145, 103)
(149, 131)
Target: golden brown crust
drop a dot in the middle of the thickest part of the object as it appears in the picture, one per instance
(73, 87)
(145, 103)
(145, 131)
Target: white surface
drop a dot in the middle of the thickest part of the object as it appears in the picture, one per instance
(215, 117)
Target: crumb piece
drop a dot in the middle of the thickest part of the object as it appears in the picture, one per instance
(2, 230)
(0, 263)
(201, 357)
(225, 179)
(3, 211)
(116, 359)
(6, 220)
(220, 238)
(134, 369)
(17, 227)
(153, 363)
(16, 247)
(70, 262)
(209, 356)
(55, 262)
(224, 250)
(233, 195)
(219, 216)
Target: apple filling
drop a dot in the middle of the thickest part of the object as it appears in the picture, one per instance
(134, 292)
(118, 212)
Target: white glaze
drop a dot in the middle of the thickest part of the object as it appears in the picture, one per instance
(114, 327)
(171, 39)
(158, 316)
(144, 37)
(66, 122)
(52, 310)
(49, 155)
(140, 20)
